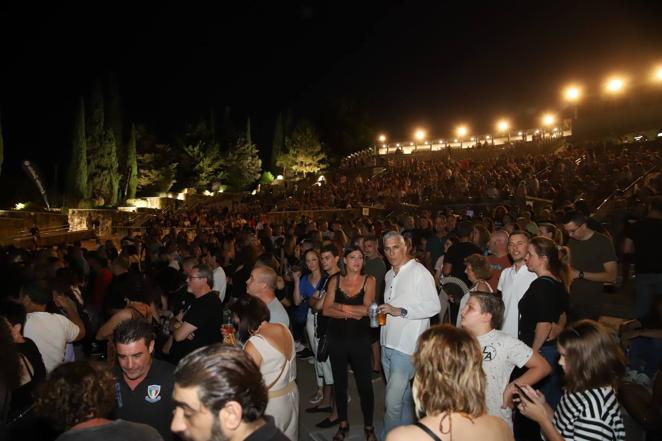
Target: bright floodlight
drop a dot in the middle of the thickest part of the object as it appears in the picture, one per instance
(279, 177)
(548, 119)
(572, 93)
(657, 74)
(503, 125)
(615, 85)
(462, 131)
(382, 138)
(420, 134)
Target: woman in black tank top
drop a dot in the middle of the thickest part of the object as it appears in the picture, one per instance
(346, 304)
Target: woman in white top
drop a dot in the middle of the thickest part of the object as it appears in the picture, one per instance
(478, 272)
(271, 346)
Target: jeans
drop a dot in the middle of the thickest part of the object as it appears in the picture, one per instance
(647, 288)
(551, 385)
(399, 371)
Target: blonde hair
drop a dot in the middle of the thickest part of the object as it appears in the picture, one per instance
(449, 373)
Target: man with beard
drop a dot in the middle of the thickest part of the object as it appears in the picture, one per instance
(143, 385)
(220, 396)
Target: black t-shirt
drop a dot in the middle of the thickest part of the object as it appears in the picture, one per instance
(24, 396)
(206, 314)
(456, 255)
(151, 401)
(267, 432)
(544, 301)
(647, 237)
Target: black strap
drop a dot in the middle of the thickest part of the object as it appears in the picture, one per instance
(427, 430)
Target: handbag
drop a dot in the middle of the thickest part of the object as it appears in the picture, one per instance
(322, 349)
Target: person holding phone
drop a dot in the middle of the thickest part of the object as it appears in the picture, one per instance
(593, 364)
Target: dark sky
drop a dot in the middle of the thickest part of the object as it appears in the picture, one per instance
(406, 63)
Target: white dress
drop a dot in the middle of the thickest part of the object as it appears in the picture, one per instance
(283, 392)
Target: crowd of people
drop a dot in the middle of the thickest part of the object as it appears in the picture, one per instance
(192, 328)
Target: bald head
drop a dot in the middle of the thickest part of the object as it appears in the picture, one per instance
(262, 283)
(499, 243)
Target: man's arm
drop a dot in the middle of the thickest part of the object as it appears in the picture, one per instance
(71, 311)
(423, 303)
(538, 368)
(607, 276)
(183, 332)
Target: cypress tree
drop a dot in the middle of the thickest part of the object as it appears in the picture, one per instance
(2, 147)
(77, 176)
(131, 165)
(278, 141)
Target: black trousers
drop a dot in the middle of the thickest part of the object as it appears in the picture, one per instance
(357, 353)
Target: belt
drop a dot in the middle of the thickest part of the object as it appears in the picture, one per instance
(284, 391)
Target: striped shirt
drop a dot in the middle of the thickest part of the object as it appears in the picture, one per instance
(593, 415)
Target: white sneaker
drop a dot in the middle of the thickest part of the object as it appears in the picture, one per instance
(317, 398)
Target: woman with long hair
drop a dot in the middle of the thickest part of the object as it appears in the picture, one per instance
(305, 286)
(593, 365)
(271, 346)
(346, 303)
(449, 391)
(542, 309)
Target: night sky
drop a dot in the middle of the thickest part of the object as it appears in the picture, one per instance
(405, 63)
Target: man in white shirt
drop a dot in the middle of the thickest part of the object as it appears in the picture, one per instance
(220, 280)
(262, 284)
(410, 300)
(481, 317)
(514, 281)
(50, 332)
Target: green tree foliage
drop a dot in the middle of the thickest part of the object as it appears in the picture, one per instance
(131, 165)
(278, 142)
(156, 169)
(77, 174)
(241, 164)
(266, 178)
(201, 162)
(303, 151)
(2, 148)
(102, 164)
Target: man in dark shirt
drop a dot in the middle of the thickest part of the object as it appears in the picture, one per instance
(143, 385)
(593, 264)
(644, 240)
(454, 261)
(200, 324)
(220, 395)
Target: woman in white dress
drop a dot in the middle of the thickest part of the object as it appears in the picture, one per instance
(271, 346)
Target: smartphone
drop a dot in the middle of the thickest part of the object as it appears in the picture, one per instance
(523, 394)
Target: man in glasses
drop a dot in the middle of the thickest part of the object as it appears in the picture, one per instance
(200, 323)
(593, 262)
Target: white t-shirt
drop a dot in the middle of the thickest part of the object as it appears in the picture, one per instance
(513, 285)
(501, 353)
(277, 313)
(220, 282)
(51, 333)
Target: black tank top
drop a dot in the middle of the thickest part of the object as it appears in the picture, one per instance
(349, 328)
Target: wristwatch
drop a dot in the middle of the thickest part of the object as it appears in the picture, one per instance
(403, 313)
(581, 274)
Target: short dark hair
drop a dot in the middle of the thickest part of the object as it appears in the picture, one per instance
(370, 238)
(490, 304)
(574, 216)
(346, 252)
(37, 293)
(132, 330)
(14, 312)
(330, 249)
(76, 392)
(224, 373)
(205, 272)
(251, 312)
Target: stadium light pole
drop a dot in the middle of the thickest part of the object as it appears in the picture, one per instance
(503, 126)
(461, 132)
